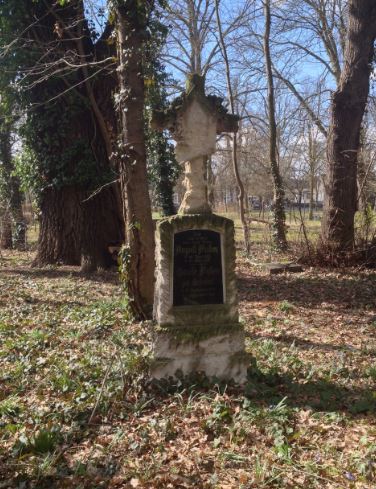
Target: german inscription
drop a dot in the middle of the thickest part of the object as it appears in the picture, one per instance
(197, 276)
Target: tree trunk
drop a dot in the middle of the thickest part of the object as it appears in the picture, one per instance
(6, 241)
(78, 229)
(279, 224)
(311, 195)
(13, 192)
(60, 227)
(348, 105)
(19, 234)
(6, 238)
(80, 221)
(312, 157)
(103, 227)
(131, 31)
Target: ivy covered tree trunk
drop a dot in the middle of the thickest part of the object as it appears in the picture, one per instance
(81, 216)
(132, 18)
(348, 105)
(77, 231)
(87, 213)
(163, 169)
(279, 217)
(103, 223)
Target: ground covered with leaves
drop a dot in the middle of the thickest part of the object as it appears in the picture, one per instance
(77, 410)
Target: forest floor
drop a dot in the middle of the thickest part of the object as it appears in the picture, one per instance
(77, 411)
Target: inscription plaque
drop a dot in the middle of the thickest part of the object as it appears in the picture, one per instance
(197, 277)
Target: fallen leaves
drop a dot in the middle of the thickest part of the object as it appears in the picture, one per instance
(313, 339)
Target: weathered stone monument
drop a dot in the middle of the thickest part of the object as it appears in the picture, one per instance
(195, 303)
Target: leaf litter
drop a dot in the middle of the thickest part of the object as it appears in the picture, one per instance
(77, 409)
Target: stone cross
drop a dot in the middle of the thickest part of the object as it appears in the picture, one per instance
(194, 120)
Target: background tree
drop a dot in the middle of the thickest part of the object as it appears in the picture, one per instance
(13, 225)
(279, 194)
(58, 67)
(6, 235)
(348, 105)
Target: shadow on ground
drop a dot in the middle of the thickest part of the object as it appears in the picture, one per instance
(109, 276)
(266, 389)
(319, 395)
(357, 292)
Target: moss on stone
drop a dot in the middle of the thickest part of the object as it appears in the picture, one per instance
(241, 357)
(198, 219)
(195, 334)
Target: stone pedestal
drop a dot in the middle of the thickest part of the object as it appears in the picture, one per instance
(195, 200)
(195, 305)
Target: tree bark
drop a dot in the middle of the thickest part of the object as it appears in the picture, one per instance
(77, 229)
(19, 233)
(132, 18)
(6, 237)
(6, 241)
(15, 222)
(312, 159)
(103, 226)
(279, 218)
(60, 227)
(348, 105)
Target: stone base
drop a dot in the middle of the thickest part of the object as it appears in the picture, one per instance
(194, 336)
(221, 356)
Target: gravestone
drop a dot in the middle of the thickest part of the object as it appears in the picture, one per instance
(195, 304)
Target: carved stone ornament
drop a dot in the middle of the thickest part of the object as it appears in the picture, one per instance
(194, 120)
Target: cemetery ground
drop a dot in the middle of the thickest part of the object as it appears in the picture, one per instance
(77, 410)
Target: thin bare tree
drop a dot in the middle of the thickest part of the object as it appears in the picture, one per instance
(231, 99)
